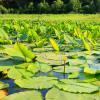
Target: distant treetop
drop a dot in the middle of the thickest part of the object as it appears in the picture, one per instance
(50, 6)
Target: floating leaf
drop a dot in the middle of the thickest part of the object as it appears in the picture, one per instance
(28, 95)
(56, 94)
(69, 69)
(76, 62)
(41, 82)
(16, 73)
(74, 86)
(92, 69)
(43, 67)
(73, 75)
(3, 85)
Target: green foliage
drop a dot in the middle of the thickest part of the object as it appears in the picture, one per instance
(90, 70)
(76, 5)
(4, 38)
(3, 34)
(43, 7)
(74, 86)
(20, 50)
(42, 68)
(41, 82)
(57, 6)
(24, 96)
(3, 85)
(56, 94)
(29, 8)
(54, 6)
(54, 44)
(3, 10)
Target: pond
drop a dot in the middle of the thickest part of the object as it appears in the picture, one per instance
(50, 73)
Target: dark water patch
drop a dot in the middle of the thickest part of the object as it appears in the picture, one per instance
(82, 58)
(95, 66)
(60, 75)
(81, 76)
(12, 87)
(9, 62)
(44, 92)
(41, 74)
(53, 74)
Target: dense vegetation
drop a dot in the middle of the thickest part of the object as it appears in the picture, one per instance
(49, 57)
(49, 6)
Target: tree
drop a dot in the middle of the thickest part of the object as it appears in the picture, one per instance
(43, 7)
(97, 5)
(76, 5)
(89, 6)
(30, 7)
(49, 6)
(67, 8)
(3, 9)
(57, 6)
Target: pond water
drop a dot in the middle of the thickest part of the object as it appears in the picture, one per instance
(75, 63)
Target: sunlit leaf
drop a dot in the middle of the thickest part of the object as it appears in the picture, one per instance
(27, 95)
(54, 44)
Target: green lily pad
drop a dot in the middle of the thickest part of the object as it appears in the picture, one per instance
(43, 67)
(68, 69)
(74, 86)
(3, 85)
(51, 58)
(73, 75)
(56, 94)
(41, 82)
(15, 73)
(38, 66)
(3, 68)
(76, 62)
(27, 95)
(92, 69)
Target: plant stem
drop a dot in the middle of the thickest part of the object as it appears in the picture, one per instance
(64, 68)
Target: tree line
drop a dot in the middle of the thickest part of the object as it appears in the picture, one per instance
(49, 6)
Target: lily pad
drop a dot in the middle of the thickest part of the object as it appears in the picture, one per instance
(15, 73)
(56, 94)
(3, 85)
(68, 69)
(51, 58)
(27, 95)
(74, 86)
(41, 82)
(92, 69)
(76, 62)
